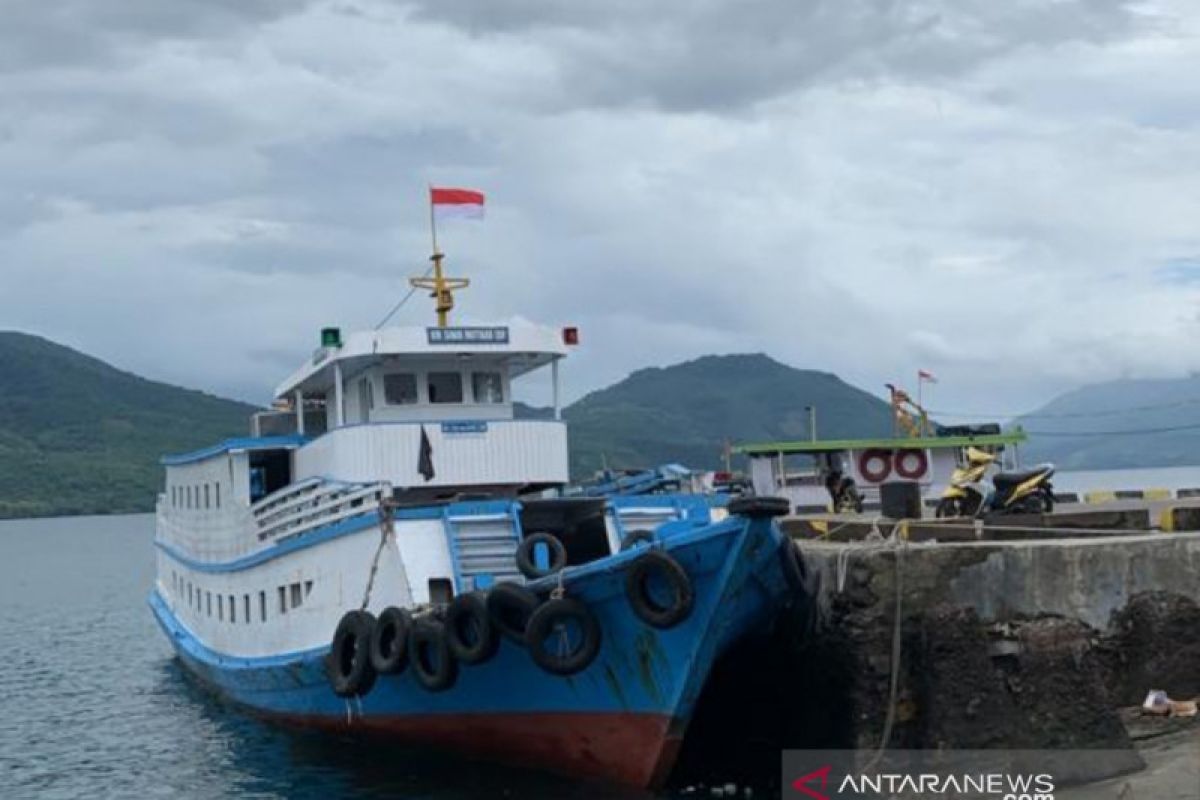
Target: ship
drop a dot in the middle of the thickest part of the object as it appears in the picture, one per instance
(394, 551)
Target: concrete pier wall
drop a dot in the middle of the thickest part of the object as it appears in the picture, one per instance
(1083, 579)
(1021, 644)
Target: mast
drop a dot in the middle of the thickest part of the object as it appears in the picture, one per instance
(441, 288)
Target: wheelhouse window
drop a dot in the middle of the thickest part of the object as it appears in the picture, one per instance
(445, 387)
(487, 387)
(400, 389)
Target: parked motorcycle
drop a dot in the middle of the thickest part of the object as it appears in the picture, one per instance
(971, 493)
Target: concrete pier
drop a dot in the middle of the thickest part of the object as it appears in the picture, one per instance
(1032, 644)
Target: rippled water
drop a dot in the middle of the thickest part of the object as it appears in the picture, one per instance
(92, 704)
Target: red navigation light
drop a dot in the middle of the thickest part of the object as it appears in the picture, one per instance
(570, 335)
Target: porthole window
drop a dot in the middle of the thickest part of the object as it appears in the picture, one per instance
(262, 606)
(217, 493)
(232, 608)
(297, 598)
(206, 496)
(282, 599)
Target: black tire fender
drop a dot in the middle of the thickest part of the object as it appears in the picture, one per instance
(348, 664)
(760, 507)
(525, 560)
(510, 606)
(430, 657)
(549, 617)
(472, 637)
(637, 590)
(389, 641)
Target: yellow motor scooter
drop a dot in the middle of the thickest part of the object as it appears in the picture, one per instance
(971, 494)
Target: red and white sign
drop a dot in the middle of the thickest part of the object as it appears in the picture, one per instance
(460, 203)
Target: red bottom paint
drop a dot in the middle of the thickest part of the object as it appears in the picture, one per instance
(633, 749)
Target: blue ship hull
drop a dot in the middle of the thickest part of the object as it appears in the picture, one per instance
(620, 719)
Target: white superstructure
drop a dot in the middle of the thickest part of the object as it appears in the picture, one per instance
(264, 542)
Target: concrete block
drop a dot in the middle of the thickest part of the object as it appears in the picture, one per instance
(1099, 497)
(1156, 494)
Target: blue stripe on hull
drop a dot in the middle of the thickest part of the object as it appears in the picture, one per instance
(735, 570)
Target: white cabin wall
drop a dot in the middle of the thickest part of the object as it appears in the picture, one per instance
(508, 452)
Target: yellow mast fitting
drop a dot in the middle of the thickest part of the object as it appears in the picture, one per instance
(441, 288)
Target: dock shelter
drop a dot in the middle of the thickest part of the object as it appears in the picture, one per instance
(798, 470)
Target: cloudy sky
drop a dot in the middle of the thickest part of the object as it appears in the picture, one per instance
(1005, 193)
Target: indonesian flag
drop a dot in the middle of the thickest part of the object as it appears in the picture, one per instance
(462, 203)
(926, 375)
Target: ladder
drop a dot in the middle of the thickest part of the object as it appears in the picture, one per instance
(483, 546)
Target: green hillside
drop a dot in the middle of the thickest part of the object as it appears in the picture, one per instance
(1083, 429)
(684, 413)
(78, 436)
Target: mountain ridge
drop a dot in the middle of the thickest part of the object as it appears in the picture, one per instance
(1126, 423)
(79, 436)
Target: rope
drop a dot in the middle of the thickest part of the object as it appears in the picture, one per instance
(400, 305)
(894, 688)
(897, 544)
(386, 529)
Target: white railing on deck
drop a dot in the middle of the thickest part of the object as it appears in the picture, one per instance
(314, 504)
(237, 531)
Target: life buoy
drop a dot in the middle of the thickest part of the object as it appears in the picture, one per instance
(510, 606)
(348, 665)
(469, 631)
(389, 641)
(634, 538)
(526, 562)
(659, 590)
(563, 636)
(429, 653)
(875, 474)
(911, 464)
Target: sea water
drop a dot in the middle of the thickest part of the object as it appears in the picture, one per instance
(93, 704)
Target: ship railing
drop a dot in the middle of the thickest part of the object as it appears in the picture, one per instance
(328, 504)
(215, 536)
(292, 495)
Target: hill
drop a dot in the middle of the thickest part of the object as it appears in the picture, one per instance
(78, 436)
(1083, 429)
(685, 412)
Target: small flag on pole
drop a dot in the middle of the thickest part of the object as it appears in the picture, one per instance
(926, 375)
(461, 203)
(425, 457)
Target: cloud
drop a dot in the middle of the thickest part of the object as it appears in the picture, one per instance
(988, 190)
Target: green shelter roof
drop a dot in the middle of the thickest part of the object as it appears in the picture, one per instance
(1015, 436)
